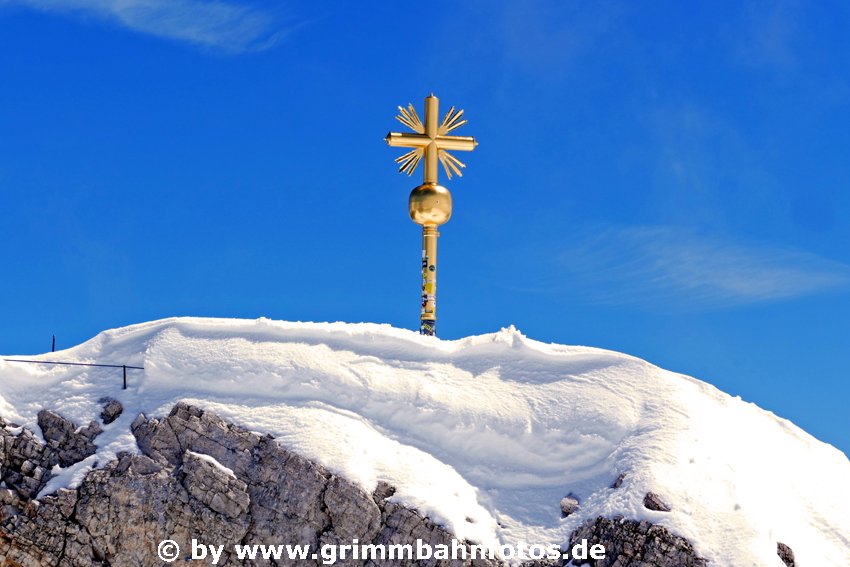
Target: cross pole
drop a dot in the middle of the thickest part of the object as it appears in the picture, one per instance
(430, 204)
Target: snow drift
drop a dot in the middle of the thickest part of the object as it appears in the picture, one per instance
(484, 434)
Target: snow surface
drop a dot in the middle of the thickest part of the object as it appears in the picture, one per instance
(214, 462)
(484, 434)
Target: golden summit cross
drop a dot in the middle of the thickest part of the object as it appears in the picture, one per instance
(430, 204)
(430, 140)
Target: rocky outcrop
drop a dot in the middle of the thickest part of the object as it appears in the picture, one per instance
(629, 543)
(199, 477)
(27, 462)
(66, 443)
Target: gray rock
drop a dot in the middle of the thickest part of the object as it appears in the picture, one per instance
(786, 554)
(383, 491)
(652, 501)
(26, 463)
(629, 543)
(569, 505)
(68, 444)
(214, 487)
(618, 482)
(112, 409)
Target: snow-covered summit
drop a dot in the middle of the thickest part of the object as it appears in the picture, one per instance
(484, 434)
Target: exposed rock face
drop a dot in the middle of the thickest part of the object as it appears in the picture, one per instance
(26, 461)
(218, 489)
(629, 543)
(200, 477)
(66, 443)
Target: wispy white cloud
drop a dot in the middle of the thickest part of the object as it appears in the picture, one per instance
(678, 268)
(213, 23)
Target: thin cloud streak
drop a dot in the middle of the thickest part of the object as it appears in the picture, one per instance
(225, 25)
(678, 268)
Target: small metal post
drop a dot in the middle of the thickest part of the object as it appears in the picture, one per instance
(428, 315)
(53, 348)
(125, 375)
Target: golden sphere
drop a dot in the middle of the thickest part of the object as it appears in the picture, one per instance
(430, 204)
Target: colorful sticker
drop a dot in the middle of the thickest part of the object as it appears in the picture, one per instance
(427, 327)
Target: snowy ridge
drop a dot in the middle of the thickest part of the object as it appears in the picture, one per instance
(484, 434)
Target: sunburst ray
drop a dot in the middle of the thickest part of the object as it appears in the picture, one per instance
(409, 118)
(452, 121)
(450, 163)
(409, 161)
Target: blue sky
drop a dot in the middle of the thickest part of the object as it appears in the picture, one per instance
(664, 179)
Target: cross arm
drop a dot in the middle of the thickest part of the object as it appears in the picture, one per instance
(406, 140)
(462, 143)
